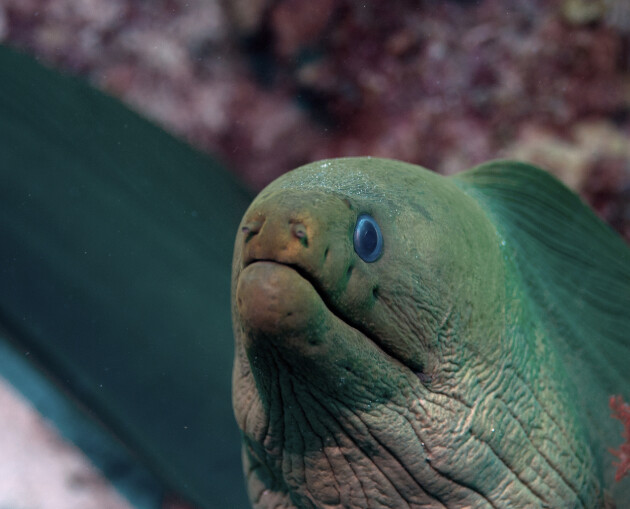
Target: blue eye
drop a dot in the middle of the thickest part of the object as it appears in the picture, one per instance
(368, 240)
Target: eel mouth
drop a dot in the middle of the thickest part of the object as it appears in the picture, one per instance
(304, 274)
(277, 297)
(285, 295)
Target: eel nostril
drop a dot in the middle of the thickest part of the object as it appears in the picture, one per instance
(250, 229)
(299, 232)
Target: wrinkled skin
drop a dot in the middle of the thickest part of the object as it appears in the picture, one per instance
(420, 380)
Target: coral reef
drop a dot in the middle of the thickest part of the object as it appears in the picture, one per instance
(621, 411)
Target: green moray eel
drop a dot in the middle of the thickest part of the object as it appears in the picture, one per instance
(405, 339)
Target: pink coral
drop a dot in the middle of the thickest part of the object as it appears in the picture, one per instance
(621, 411)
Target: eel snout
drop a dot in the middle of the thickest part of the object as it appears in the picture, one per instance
(289, 261)
(294, 232)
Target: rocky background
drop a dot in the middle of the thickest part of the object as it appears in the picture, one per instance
(268, 85)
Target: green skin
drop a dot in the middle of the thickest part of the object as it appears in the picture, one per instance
(424, 379)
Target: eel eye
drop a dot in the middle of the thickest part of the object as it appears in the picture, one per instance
(368, 240)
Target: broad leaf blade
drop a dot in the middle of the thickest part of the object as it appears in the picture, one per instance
(115, 270)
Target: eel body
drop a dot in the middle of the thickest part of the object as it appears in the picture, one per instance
(405, 339)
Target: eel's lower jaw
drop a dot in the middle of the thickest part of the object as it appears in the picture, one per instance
(274, 300)
(283, 304)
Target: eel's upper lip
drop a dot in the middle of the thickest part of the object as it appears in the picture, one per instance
(301, 271)
(294, 266)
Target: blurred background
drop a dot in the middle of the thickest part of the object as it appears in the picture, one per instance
(267, 85)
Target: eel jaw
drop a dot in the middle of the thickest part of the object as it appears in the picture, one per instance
(274, 300)
(284, 319)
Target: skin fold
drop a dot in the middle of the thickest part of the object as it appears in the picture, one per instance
(424, 379)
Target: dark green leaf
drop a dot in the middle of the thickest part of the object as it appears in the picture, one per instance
(115, 255)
